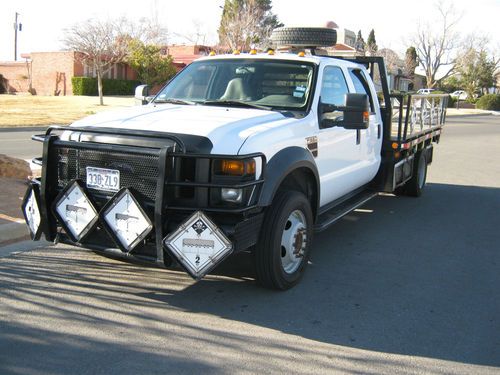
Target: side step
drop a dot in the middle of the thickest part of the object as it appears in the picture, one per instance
(343, 208)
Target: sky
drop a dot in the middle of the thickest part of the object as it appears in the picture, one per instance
(394, 21)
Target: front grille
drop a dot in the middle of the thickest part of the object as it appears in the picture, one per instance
(140, 172)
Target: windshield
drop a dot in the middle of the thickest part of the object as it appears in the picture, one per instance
(257, 83)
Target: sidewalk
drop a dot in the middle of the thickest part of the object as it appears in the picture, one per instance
(12, 225)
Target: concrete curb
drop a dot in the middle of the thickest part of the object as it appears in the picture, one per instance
(13, 231)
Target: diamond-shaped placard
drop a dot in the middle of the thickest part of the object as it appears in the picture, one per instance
(125, 220)
(198, 245)
(75, 211)
(31, 211)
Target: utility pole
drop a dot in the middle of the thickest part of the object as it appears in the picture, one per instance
(17, 26)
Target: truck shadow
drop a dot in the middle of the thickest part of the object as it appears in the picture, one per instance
(408, 276)
(414, 277)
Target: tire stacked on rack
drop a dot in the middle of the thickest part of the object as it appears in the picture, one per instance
(304, 36)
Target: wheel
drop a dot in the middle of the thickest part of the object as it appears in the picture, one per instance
(399, 191)
(282, 253)
(304, 36)
(416, 184)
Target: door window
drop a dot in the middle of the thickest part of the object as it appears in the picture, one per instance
(334, 86)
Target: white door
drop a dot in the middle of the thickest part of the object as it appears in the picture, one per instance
(371, 138)
(339, 152)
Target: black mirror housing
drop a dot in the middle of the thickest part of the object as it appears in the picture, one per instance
(356, 111)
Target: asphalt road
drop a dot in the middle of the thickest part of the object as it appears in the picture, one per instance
(404, 285)
(17, 143)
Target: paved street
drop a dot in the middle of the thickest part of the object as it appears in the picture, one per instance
(402, 285)
(18, 144)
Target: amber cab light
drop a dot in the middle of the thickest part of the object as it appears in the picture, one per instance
(237, 167)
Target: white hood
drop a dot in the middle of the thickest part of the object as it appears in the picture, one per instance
(227, 128)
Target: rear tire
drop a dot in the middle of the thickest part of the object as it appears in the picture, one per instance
(282, 253)
(415, 186)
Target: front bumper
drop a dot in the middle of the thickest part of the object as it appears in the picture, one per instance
(167, 194)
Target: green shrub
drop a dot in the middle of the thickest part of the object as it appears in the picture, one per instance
(452, 102)
(88, 86)
(490, 102)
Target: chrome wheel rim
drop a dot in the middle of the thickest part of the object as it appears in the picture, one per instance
(293, 242)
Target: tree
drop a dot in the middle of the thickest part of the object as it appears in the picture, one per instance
(360, 43)
(100, 45)
(146, 59)
(476, 71)
(103, 43)
(437, 45)
(392, 60)
(411, 63)
(246, 22)
(371, 43)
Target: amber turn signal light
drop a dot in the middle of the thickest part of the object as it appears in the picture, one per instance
(237, 167)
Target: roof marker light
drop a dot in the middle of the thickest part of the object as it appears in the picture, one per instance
(253, 52)
(270, 52)
(301, 54)
(212, 53)
(236, 52)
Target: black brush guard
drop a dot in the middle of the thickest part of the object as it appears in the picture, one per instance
(162, 159)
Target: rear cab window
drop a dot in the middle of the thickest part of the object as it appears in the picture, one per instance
(361, 85)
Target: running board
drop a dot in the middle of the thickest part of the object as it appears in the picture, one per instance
(337, 212)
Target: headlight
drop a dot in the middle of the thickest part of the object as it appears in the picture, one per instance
(75, 211)
(125, 220)
(232, 195)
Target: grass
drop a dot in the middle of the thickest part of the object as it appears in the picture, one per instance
(27, 110)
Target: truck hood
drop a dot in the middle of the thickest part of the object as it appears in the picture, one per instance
(226, 128)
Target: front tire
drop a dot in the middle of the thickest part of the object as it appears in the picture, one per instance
(282, 253)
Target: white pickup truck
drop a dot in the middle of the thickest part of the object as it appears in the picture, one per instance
(242, 152)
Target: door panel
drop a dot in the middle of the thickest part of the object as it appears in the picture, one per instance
(339, 157)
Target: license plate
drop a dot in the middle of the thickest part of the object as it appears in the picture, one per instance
(103, 179)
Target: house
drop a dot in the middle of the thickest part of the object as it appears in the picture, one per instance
(183, 55)
(50, 73)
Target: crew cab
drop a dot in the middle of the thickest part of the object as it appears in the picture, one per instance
(242, 152)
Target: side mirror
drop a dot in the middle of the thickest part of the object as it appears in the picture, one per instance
(142, 95)
(356, 111)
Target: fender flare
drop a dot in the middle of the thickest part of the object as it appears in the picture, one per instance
(280, 166)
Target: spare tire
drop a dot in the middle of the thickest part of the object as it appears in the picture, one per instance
(304, 36)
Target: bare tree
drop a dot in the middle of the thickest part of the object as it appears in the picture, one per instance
(197, 35)
(437, 46)
(100, 44)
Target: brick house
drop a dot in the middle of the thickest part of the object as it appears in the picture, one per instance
(50, 73)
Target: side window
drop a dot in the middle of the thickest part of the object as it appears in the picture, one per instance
(361, 86)
(334, 86)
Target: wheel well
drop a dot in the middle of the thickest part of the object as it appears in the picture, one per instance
(303, 180)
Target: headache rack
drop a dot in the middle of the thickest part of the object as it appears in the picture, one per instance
(152, 175)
